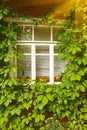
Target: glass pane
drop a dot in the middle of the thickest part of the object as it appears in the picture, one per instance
(42, 67)
(55, 50)
(25, 33)
(24, 67)
(24, 48)
(55, 31)
(58, 66)
(42, 49)
(42, 34)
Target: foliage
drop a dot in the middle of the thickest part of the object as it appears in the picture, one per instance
(21, 105)
(29, 106)
(72, 98)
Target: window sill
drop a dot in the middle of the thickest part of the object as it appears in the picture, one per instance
(57, 79)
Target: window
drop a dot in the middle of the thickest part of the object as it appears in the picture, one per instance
(38, 44)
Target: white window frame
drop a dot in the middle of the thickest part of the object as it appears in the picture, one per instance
(33, 54)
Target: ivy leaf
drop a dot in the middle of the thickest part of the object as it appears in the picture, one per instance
(84, 60)
(42, 117)
(45, 100)
(6, 59)
(18, 111)
(37, 118)
(5, 11)
(40, 106)
(10, 83)
(65, 101)
(49, 96)
(39, 98)
(75, 77)
(1, 16)
(48, 89)
(82, 88)
(26, 95)
(27, 105)
(7, 102)
(85, 116)
(81, 72)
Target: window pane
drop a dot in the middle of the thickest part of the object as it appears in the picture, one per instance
(25, 33)
(42, 67)
(55, 50)
(58, 65)
(42, 34)
(24, 67)
(42, 49)
(24, 48)
(55, 31)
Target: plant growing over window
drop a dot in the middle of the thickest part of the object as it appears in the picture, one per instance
(72, 99)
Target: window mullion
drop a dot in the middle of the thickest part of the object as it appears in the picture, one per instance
(33, 57)
(51, 64)
(33, 64)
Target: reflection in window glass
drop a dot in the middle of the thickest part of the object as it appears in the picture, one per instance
(55, 31)
(25, 33)
(24, 48)
(24, 67)
(42, 68)
(55, 50)
(58, 65)
(42, 34)
(42, 65)
(42, 49)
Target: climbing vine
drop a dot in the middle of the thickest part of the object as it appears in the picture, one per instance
(22, 106)
(72, 99)
(27, 106)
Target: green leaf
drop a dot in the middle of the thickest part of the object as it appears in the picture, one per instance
(7, 102)
(39, 97)
(18, 111)
(5, 11)
(82, 88)
(85, 116)
(2, 99)
(84, 60)
(65, 101)
(73, 51)
(79, 61)
(49, 96)
(40, 106)
(78, 77)
(30, 95)
(10, 83)
(75, 77)
(1, 16)
(48, 89)
(13, 69)
(81, 73)
(37, 119)
(42, 117)
(27, 105)
(6, 59)
(45, 100)
(26, 95)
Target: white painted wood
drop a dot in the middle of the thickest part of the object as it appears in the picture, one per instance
(51, 64)
(51, 44)
(33, 62)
